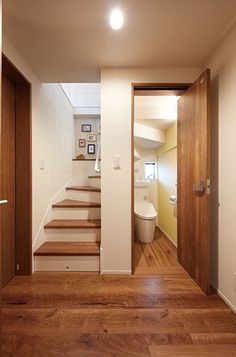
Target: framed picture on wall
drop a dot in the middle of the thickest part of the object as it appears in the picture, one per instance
(91, 149)
(92, 138)
(86, 128)
(82, 143)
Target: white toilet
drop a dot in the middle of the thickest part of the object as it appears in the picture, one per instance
(145, 214)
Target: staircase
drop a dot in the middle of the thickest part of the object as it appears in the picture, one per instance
(73, 236)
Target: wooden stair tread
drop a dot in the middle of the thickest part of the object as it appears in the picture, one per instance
(75, 204)
(68, 248)
(73, 223)
(95, 176)
(84, 188)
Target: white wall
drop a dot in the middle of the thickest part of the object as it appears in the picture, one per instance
(116, 135)
(52, 138)
(223, 72)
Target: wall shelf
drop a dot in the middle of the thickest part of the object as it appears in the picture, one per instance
(85, 159)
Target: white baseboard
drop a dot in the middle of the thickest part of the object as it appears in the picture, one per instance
(224, 298)
(167, 236)
(116, 272)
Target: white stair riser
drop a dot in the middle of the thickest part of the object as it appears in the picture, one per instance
(85, 196)
(77, 213)
(73, 235)
(67, 263)
(95, 182)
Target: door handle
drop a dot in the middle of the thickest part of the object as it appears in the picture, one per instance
(199, 187)
(3, 202)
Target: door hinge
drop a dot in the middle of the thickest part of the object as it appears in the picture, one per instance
(17, 267)
(208, 186)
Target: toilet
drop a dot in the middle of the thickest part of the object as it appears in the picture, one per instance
(145, 214)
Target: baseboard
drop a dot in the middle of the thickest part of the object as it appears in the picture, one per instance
(116, 272)
(167, 236)
(226, 301)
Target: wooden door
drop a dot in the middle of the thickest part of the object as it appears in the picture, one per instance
(8, 179)
(193, 173)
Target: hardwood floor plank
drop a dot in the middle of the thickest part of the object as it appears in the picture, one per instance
(89, 344)
(193, 351)
(118, 320)
(78, 314)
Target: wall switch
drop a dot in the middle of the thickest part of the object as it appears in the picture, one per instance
(116, 162)
(41, 164)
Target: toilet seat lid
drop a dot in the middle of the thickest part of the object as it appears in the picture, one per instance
(145, 210)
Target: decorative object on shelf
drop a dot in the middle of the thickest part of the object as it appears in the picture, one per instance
(86, 128)
(92, 138)
(80, 157)
(91, 149)
(82, 143)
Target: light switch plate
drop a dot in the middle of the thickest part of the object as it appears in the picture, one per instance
(41, 164)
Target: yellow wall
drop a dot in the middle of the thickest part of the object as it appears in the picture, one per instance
(167, 173)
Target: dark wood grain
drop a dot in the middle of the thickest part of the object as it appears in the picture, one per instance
(193, 212)
(8, 178)
(83, 188)
(77, 314)
(68, 248)
(22, 167)
(75, 204)
(73, 223)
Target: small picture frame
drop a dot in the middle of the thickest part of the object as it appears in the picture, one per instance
(86, 128)
(82, 143)
(91, 149)
(92, 138)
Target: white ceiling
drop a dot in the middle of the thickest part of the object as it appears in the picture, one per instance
(145, 143)
(158, 112)
(161, 124)
(70, 40)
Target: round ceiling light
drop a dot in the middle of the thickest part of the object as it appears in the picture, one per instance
(116, 19)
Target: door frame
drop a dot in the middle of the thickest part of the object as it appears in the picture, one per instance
(23, 141)
(147, 89)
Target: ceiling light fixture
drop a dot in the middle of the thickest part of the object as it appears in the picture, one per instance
(116, 19)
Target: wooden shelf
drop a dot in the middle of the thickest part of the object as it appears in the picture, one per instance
(85, 159)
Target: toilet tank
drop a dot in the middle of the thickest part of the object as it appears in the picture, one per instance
(141, 190)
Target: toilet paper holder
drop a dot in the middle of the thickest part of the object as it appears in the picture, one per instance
(173, 200)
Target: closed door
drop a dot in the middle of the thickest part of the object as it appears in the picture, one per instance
(8, 179)
(193, 181)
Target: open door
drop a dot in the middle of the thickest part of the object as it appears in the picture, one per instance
(193, 186)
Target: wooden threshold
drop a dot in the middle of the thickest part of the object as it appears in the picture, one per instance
(75, 204)
(68, 249)
(73, 223)
(83, 188)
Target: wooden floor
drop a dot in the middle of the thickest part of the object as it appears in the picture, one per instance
(72, 314)
(158, 257)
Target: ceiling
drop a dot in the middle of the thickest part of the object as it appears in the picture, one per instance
(145, 143)
(69, 41)
(158, 112)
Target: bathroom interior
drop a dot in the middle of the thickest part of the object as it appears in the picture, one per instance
(155, 181)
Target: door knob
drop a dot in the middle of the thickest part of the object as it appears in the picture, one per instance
(3, 202)
(199, 187)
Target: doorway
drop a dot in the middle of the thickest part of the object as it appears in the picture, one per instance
(192, 194)
(15, 153)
